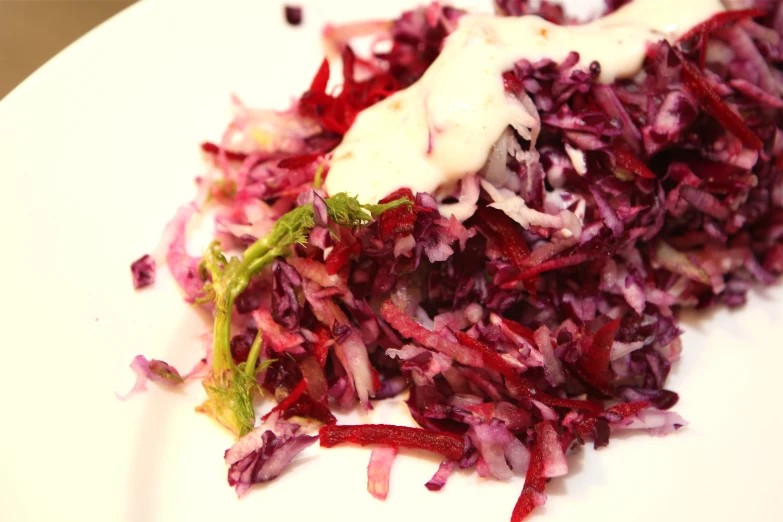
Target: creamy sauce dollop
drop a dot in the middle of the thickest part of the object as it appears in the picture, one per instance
(444, 126)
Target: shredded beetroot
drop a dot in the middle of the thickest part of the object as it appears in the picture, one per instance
(711, 102)
(446, 444)
(409, 328)
(504, 230)
(594, 364)
(296, 162)
(336, 113)
(516, 383)
(520, 330)
(556, 264)
(511, 83)
(308, 408)
(399, 221)
(288, 401)
(702, 31)
(491, 358)
(628, 160)
(321, 346)
(321, 78)
(622, 411)
(719, 20)
(213, 150)
(535, 482)
(338, 258)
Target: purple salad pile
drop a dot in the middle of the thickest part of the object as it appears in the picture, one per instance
(510, 342)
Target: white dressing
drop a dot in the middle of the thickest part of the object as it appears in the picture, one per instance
(443, 127)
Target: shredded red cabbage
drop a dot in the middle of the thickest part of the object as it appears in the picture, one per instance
(293, 14)
(153, 370)
(143, 272)
(514, 343)
(263, 454)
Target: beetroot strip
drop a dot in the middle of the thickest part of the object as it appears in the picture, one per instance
(623, 410)
(627, 160)
(290, 400)
(504, 231)
(719, 20)
(520, 330)
(516, 382)
(532, 494)
(711, 102)
(554, 264)
(446, 444)
(213, 150)
(407, 327)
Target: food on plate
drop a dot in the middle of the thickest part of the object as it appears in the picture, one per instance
(497, 217)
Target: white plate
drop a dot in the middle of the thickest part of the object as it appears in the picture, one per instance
(99, 147)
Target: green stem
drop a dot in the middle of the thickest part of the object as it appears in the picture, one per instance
(221, 354)
(252, 262)
(279, 239)
(257, 250)
(318, 180)
(250, 365)
(264, 260)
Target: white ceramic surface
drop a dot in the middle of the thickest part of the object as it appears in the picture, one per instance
(99, 147)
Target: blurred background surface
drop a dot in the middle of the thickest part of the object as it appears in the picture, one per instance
(32, 31)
